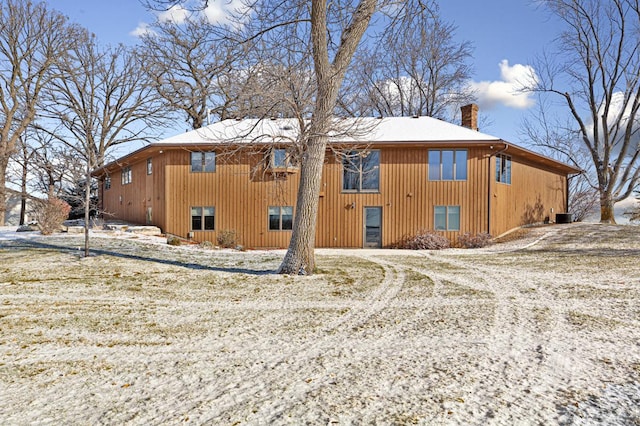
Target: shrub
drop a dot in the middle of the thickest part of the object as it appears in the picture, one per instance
(50, 215)
(423, 240)
(172, 240)
(469, 240)
(227, 238)
(206, 245)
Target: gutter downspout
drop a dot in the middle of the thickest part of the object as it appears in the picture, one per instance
(489, 175)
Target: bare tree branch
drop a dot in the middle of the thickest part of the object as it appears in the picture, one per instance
(597, 76)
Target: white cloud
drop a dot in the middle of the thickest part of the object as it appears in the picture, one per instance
(508, 90)
(141, 29)
(218, 12)
(176, 14)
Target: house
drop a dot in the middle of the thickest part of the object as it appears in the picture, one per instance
(14, 207)
(383, 178)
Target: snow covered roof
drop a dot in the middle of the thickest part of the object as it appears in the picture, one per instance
(369, 130)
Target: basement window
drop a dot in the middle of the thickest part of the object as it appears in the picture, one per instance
(447, 218)
(203, 162)
(203, 218)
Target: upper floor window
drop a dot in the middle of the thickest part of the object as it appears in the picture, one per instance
(203, 161)
(126, 175)
(149, 166)
(447, 218)
(203, 218)
(361, 171)
(447, 164)
(280, 218)
(281, 159)
(503, 168)
(107, 183)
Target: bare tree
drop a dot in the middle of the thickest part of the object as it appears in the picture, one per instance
(32, 39)
(545, 129)
(419, 71)
(40, 166)
(331, 32)
(596, 74)
(101, 100)
(23, 158)
(275, 84)
(189, 65)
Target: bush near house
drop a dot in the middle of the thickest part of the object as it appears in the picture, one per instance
(469, 240)
(423, 240)
(172, 240)
(227, 238)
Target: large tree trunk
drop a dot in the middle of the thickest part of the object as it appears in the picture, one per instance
(607, 214)
(300, 257)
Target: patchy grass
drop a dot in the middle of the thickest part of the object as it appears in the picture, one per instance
(151, 334)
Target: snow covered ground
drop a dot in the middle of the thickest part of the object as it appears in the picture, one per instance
(542, 330)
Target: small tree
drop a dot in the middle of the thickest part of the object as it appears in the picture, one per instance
(100, 100)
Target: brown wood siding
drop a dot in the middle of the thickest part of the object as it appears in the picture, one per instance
(127, 202)
(406, 196)
(534, 195)
(241, 192)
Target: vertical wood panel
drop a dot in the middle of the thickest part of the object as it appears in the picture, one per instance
(241, 192)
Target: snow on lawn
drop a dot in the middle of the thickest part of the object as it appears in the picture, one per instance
(542, 330)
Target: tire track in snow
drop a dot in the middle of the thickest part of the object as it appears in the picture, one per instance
(294, 369)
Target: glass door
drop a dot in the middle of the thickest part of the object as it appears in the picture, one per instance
(373, 227)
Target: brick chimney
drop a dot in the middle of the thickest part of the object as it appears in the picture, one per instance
(470, 116)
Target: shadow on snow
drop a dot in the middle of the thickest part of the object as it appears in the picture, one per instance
(33, 244)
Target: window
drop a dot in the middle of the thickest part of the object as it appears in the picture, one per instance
(503, 168)
(448, 164)
(447, 218)
(107, 183)
(149, 166)
(361, 171)
(281, 159)
(280, 218)
(126, 175)
(203, 218)
(203, 162)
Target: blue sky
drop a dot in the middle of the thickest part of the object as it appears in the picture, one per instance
(506, 34)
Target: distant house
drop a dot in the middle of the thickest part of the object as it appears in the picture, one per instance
(14, 206)
(383, 178)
